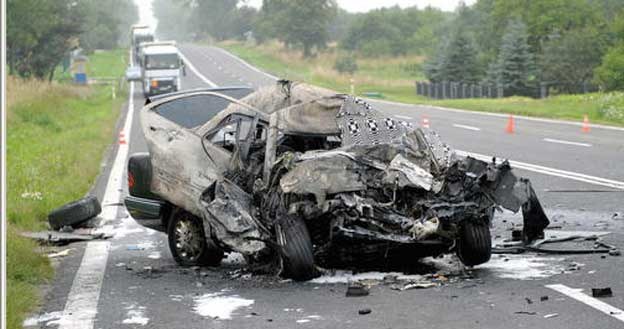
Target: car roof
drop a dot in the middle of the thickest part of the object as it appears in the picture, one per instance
(236, 92)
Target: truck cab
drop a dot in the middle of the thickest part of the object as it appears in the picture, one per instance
(161, 67)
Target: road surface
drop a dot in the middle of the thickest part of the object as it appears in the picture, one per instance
(131, 281)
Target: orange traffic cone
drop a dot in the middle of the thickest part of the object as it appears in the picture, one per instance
(510, 125)
(122, 138)
(585, 128)
(425, 122)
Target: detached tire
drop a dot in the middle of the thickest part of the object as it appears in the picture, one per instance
(297, 254)
(188, 243)
(474, 245)
(75, 212)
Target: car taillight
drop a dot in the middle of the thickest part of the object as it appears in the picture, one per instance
(130, 180)
(154, 83)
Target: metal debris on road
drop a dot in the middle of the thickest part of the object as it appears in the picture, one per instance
(602, 292)
(551, 315)
(357, 290)
(62, 253)
(62, 238)
(364, 311)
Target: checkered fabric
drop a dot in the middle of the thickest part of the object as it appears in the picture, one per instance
(360, 124)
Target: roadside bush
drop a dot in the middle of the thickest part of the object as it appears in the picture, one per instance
(610, 74)
(346, 64)
(611, 106)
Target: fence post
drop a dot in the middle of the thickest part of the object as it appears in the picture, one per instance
(444, 83)
(543, 90)
(499, 91)
(426, 89)
(435, 89)
(472, 91)
(463, 90)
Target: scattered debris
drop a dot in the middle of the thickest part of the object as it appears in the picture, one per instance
(528, 300)
(357, 290)
(74, 213)
(525, 312)
(62, 238)
(551, 315)
(219, 306)
(418, 285)
(62, 253)
(602, 292)
(543, 298)
(614, 252)
(135, 315)
(364, 311)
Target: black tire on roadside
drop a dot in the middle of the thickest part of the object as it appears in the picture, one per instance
(297, 253)
(204, 251)
(74, 213)
(474, 245)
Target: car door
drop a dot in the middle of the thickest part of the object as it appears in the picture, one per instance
(182, 166)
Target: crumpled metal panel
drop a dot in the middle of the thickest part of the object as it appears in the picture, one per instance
(228, 212)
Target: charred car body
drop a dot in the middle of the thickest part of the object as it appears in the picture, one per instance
(294, 176)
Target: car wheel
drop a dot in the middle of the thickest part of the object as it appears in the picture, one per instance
(296, 248)
(75, 212)
(187, 241)
(474, 245)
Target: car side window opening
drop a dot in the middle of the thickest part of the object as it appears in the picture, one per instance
(237, 129)
(192, 111)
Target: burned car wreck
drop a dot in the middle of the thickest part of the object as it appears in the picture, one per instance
(294, 177)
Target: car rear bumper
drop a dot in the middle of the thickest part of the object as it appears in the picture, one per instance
(148, 212)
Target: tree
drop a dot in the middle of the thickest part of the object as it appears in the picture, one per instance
(39, 34)
(515, 67)
(305, 22)
(570, 59)
(610, 74)
(456, 61)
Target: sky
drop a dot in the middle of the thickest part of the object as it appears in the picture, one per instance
(147, 17)
(366, 5)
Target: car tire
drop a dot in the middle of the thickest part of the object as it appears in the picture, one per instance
(296, 248)
(474, 245)
(74, 213)
(188, 243)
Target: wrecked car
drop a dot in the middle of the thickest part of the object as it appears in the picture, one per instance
(294, 177)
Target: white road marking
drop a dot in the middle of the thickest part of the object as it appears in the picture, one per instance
(559, 141)
(466, 127)
(404, 117)
(196, 72)
(587, 300)
(242, 61)
(82, 301)
(552, 171)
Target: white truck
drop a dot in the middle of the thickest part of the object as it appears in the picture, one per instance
(161, 67)
(140, 34)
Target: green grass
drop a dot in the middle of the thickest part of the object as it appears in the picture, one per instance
(394, 78)
(57, 135)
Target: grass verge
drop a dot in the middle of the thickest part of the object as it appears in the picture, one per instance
(394, 79)
(56, 137)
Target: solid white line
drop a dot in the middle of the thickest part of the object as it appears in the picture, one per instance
(559, 141)
(242, 61)
(404, 117)
(466, 127)
(82, 301)
(551, 171)
(196, 72)
(590, 301)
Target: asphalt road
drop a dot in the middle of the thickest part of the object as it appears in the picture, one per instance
(136, 284)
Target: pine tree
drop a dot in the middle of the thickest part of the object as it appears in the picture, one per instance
(456, 61)
(515, 66)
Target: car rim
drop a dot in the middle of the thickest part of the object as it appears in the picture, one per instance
(188, 239)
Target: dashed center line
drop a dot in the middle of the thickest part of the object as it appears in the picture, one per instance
(558, 141)
(404, 117)
(577, 294)
(466, 127)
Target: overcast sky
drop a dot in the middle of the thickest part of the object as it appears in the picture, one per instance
(366, 5)
(147, 17)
